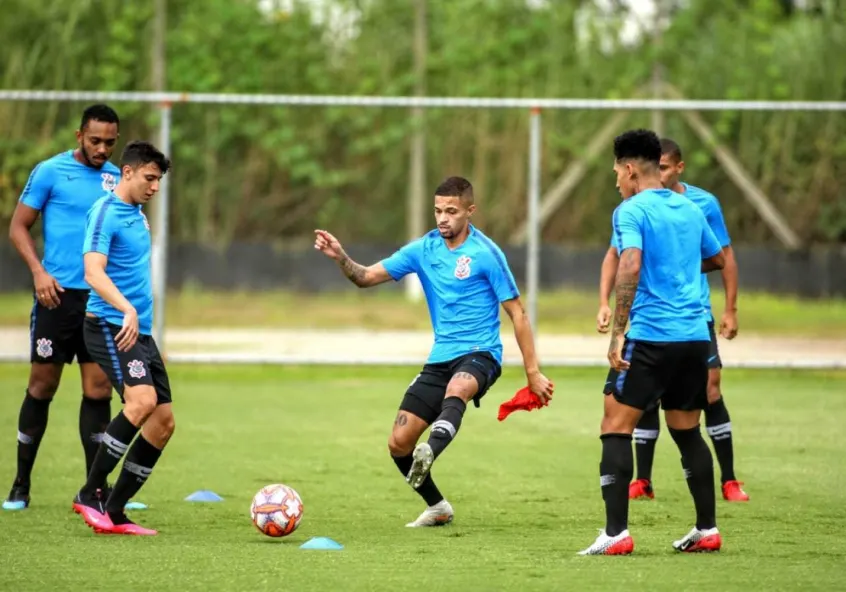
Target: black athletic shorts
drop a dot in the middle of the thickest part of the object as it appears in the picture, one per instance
(142, 364)
(56, 334)
(425, 394)
(676, 373)
(714, 360)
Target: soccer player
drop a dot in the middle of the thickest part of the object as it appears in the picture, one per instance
(61, 190)
(665, 244)
(465, 277)
(717, 420)
(118, 334)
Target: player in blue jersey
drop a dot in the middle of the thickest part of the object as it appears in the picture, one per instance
(118, 334)
(717, 420)
(60, 190)
(665, 244)
(466, 278)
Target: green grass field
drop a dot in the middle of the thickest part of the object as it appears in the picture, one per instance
(525, 491)
(563, 311)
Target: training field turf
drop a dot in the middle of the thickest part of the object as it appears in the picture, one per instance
(525, 491)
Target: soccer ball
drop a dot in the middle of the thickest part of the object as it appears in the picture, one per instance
(277, 510)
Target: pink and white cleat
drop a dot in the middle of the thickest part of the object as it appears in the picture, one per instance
(621, 544)
(92, 509)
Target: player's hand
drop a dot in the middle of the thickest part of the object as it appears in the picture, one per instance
(615, 353)
(328, 245)
(128, 334)
(603, 319)
(541, 386)
(47, 289)
(728, 325)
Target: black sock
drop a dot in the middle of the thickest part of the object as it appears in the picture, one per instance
(32, 422)
(427, 490)
(94, 418)
(698, 468)
(615, 472)
(445, 428)
(645, 437)
(718, 425)
(139, 463)
(115, 443)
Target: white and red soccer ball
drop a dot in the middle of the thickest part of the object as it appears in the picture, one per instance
(277, 510)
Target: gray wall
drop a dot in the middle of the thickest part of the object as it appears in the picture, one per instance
(817, 273)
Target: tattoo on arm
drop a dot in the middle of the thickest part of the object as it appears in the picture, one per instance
(355, 272)
(625, 289)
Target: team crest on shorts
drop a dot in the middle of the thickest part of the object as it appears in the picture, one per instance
(136, 369)
(109, 181)
(462, 267)
(44, 347)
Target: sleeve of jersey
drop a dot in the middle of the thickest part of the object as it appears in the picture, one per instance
(404, 261)
(718, 223)
(710, 244)
(37, 189)
(500, 276)
(627, 229)
(99, 230)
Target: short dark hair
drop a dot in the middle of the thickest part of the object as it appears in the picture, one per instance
(671, 148)
(639, 144)
(138, 153)
(456, 187)
(99, 112)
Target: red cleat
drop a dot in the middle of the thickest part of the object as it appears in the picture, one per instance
(733, 492)
(641, 488)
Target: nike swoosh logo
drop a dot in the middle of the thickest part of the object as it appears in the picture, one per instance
(712, 358)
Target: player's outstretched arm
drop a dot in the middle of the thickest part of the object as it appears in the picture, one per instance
(361, 276)
(46, 287)
(100, 282)
(728, 324)
(607, 275)
(538, 383)
(625, 289)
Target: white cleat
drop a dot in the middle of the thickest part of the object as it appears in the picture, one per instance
(437, 515)
(622, 544)
(700, 541)
(423, 457)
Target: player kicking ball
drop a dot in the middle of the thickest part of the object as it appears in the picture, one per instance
(118, 335)
(665, 244)
(466, 278)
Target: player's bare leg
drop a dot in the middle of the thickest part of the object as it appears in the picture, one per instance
(406, 431)
(718, 425)
(698, 468)
(32, 423)
(615, 472)
(461, 389)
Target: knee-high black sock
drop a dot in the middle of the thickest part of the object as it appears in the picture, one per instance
(699, 469)
(427, 490)
(32, 423)
(114, 445)
(645, 437)
(139, 463)
(718, 425)
(615, 472)
(445, 427)
(94, 418)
